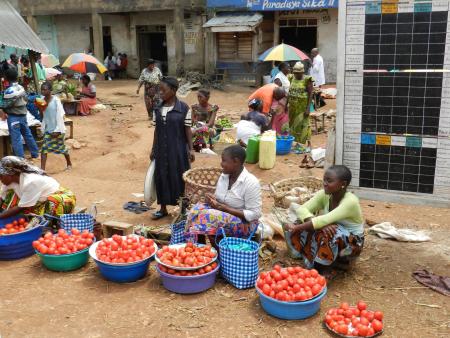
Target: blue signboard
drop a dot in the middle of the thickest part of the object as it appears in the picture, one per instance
(273, 5)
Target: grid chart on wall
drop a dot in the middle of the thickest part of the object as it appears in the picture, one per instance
(397, 95)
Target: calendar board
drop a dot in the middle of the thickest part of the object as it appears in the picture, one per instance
(393, 126)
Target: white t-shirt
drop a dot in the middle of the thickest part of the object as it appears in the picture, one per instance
(246, 129)
(317, 71)
(32, 188)
(284, 81)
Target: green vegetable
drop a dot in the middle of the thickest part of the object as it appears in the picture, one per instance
(224, 123)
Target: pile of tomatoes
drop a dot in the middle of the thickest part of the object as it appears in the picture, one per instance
(355, 321)
(197, 272)
(64, 243)
(292, 284)
(14, 227)
(124, 249)
(189, 256)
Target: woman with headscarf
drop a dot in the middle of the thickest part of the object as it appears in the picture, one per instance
(150, 78)
(300, 96)
(172, 145)
(28, 189)
(281, 78)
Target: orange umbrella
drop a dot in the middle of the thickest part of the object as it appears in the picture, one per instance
(84, 63)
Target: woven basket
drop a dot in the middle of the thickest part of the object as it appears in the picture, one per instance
(279, 190)
(199, 182)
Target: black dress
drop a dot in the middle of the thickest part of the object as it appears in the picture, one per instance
(171, 153)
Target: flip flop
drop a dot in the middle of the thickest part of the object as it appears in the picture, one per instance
(158, 215)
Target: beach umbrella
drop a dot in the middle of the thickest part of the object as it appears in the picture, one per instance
(283, 52)
(84, 63)
(50, 73)
(49, 60)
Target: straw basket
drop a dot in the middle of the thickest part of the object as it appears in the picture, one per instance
(199, 182)
(280, 189)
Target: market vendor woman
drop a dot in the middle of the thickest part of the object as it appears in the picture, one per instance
(331, 228)
(28, 189)
(236, 205)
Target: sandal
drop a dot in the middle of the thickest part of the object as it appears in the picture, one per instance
(159, 214)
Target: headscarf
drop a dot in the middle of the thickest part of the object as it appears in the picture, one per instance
(13, 165)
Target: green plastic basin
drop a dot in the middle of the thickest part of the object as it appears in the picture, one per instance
(68, 262)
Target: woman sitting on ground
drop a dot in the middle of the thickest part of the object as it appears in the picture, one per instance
(203, 119)
(335, 235)
(28, 189)
(88, 96)
(236, 204)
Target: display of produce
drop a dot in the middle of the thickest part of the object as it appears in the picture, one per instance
(124, 249)
(224, 123)
(354, 321)
(292, 284)
(197, 272)
(186, 256)
(14, 227)
(64, 243)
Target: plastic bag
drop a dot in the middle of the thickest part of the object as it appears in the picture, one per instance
(150, 186)
(271, 226)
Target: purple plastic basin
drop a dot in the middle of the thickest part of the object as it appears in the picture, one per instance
(188, 284)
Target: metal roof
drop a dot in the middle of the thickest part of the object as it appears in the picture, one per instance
(15, 32)
(234, 22)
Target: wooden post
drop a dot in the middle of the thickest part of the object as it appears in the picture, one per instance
(32, 56)
(97, 30)
(178, 24)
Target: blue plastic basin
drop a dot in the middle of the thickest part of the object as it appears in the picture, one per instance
(19, 245)
(284, 145)
(291, 310)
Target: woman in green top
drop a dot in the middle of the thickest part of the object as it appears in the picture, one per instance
(331, 223)
(300, 96)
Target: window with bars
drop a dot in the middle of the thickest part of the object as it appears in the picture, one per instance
(301, 22)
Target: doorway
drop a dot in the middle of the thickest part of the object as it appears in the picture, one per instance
(107, 41)
(300, 33)
(153, 45)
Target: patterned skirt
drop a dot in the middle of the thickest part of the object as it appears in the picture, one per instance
(314, 247)
(60, 203)
(202, 220)
(53, 144)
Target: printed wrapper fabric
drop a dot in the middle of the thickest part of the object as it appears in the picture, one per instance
(54, 144)
(60, 203)
(313, 246)
(203, 220)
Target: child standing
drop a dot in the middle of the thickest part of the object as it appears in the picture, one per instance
(53, 126)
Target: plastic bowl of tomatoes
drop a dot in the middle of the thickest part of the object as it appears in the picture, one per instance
(186, 256)
(354, 321)
(123, 259)
(188, 281)
(15, 240)
(65, 251)
(291, 293)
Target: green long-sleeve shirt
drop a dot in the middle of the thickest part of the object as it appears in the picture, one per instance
(347, 213)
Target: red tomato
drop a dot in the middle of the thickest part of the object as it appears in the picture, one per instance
(370, 332)
(378, 315)
(344, 306)
(266, 289)
(316, 290)
(277, 267)
(363, 330)
(342, 329)
(377, 325)
(361, 305)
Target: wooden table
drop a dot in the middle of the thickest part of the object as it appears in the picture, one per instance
(71, 108)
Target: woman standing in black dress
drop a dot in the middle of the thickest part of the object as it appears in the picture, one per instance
(172, 145)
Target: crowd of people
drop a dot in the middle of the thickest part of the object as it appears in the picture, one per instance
(116, 66)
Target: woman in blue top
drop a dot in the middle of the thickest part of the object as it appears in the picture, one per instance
(53, 126)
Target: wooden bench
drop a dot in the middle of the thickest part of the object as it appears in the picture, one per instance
(69, 123)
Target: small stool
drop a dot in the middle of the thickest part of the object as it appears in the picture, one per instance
(316, 116)
(69, 123)
(111, 228)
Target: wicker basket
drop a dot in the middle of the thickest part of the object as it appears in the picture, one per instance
(199, 182)
(280, 189)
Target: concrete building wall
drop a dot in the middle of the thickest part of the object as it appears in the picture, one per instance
(72, 35)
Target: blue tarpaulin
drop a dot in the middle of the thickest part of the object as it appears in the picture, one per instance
(273, 5)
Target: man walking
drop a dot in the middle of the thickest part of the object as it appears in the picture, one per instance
(317, 70)
(14, 106)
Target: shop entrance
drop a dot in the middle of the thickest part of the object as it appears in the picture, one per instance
(300, 33)
(152, 45)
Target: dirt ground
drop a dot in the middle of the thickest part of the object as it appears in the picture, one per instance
(39, 303)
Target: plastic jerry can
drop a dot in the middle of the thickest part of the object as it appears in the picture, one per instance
(252, 150)
(268, 150)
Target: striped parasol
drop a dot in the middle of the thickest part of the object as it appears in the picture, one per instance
(283, 52)
(49, 60)
(84, 63)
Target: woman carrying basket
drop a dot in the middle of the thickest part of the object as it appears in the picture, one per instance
(28, 189)
(236, 205)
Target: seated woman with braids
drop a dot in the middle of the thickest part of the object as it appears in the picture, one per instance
(331, 225)
(28, 189)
